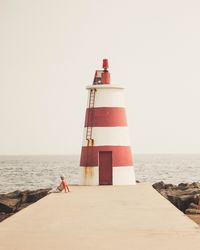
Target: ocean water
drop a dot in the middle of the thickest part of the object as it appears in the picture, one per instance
(33, 172)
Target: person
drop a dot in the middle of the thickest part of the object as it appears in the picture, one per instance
(63, 185)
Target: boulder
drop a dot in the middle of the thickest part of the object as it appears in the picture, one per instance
(15, 201)
(183, 186)
(159, 185)
(182, 202)
(180, 196)
(8, 205)
(192, 211)
(34, 196)
(3, 216)
(195, 185)
(193, 205)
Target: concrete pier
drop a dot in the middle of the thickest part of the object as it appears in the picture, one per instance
(102, 217)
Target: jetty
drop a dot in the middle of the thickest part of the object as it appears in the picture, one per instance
(98, 218)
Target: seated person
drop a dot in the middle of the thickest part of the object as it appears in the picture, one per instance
(63, 185)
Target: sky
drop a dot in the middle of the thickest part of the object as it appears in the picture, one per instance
(50, 49)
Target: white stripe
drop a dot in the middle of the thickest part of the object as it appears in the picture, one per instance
(123, 175)
(89, 176)
(105, 86)
(106, 97)
(113, 136)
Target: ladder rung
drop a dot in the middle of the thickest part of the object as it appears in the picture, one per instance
(91, 105)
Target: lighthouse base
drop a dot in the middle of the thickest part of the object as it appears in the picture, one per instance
(124, 175)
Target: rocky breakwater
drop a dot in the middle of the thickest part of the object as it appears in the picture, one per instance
(185, 196)
(15, 201)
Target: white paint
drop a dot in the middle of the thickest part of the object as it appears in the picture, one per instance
(105, 86)
(89, 176)
(123, 175)
(109, 136)
(107, 96)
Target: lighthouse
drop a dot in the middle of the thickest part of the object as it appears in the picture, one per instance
(106, 157)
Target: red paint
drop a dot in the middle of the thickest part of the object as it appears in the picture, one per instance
(105, 168)
(121, 155)
(105, 77)
(105, 63)
(105, 117)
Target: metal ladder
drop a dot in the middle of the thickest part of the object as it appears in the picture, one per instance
(90, 140)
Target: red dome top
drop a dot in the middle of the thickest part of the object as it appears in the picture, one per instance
(105, 63)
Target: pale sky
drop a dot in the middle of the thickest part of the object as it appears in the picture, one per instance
(49, 51)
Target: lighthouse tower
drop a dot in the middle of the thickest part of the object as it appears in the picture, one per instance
(106, 157)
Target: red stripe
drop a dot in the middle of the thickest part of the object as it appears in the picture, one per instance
(105, 117)
(121, 155)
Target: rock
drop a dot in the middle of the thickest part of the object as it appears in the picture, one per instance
(159, 185)
(15, 201)
(192, 211)
(195, 185)
(183, 186)
(182, 202)
(34, 196)
(193, 205)
(8, 205)
(3, 216)
(170, 186)
(180, 196)
(14, 195)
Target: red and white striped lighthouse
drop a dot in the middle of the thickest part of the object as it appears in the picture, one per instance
(106, 157)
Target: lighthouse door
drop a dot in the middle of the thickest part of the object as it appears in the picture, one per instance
(105, 168)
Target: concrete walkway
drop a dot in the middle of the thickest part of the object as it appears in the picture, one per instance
(104, 217)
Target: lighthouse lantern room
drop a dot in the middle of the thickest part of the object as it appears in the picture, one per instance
(106, 157)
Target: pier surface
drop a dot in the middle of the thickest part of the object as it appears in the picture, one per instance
(98, 218)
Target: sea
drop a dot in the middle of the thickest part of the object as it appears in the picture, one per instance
(43, 171)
